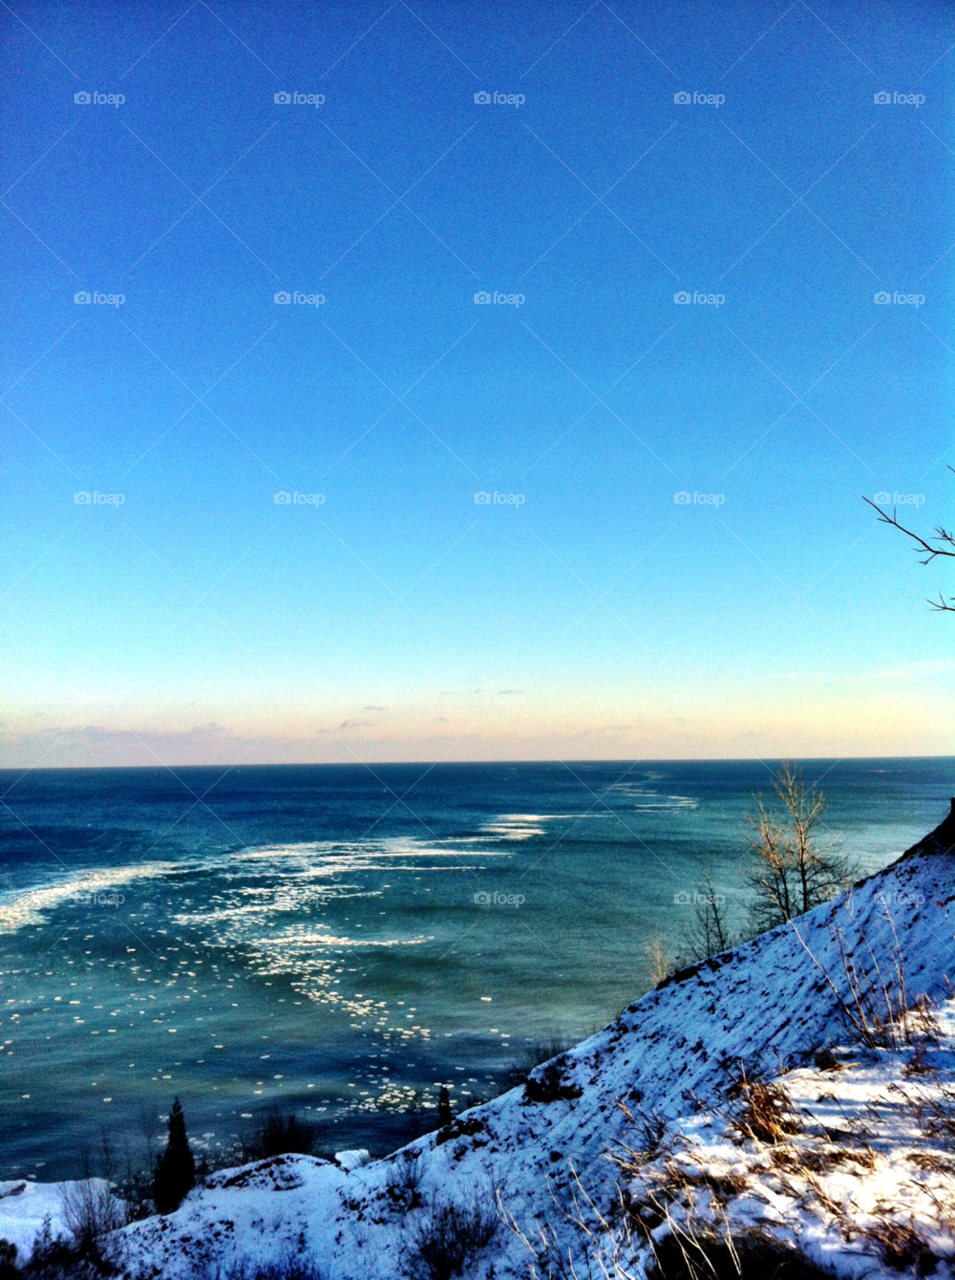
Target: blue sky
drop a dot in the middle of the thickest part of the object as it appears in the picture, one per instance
(197, 620)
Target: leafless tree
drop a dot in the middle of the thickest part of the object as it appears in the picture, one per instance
(710, 932)
(90, 1208)
(658, 957)
(793, 872)
(941, 543)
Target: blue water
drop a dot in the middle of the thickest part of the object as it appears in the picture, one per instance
(327, 938)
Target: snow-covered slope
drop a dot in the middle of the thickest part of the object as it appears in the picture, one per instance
(24, 1205)
(770, 1005)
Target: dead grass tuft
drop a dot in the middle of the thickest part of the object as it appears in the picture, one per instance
(902, 1247)
(707, 1255)
(764, 1112)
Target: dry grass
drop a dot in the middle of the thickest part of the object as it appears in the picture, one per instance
(709, 1255)
(576, 1241)
(820, 1159)
(902, 1247)
(931, 1161)
(876, 1006)
(764, 1111)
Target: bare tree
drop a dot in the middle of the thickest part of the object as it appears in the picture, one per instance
(941, 543)
(90, 1208)
(793, 873)
(709, 933)
(658, 957)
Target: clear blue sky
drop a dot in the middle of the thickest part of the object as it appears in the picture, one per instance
(199, 620)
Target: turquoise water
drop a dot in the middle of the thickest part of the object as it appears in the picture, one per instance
(343, 940)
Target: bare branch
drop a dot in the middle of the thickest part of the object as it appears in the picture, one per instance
(922, 547)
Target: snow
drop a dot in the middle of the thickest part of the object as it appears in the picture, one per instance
(24, 1205)
(353, 1159)
(862, 1158)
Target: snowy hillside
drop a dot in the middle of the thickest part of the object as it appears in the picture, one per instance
(842, 1147)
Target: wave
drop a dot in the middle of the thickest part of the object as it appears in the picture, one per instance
(27, 907)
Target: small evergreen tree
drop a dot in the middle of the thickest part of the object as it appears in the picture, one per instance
(175, 1167)
(444, 1106)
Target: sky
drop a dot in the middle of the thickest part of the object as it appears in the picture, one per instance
(614, 512)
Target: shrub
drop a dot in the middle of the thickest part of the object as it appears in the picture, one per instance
(281, 1135)
(534, 1055)
(404, 1181)
(548, 1084)
(291, 1268)
(91, 1211)
(54, 1258)
(451, 1238)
